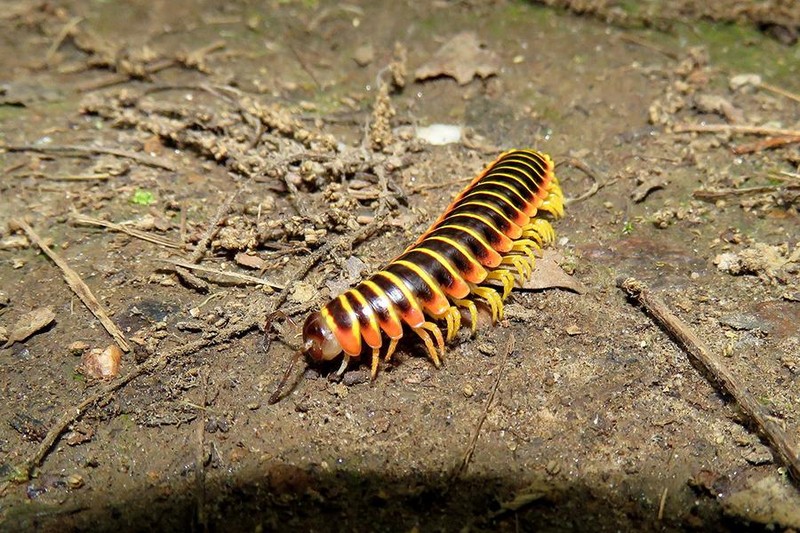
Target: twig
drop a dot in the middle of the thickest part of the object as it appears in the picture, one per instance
(200, 463)
(648, 45)
(77, 285)
(462, 467)
(232, 275)
(304, 66)
(733, 128)
(662, 503)
(63, 34)
(156, 162)
(700, 354)
(766, 144)
(202, 245)
(122, 77)
(716, 194)
(590, 173)
(211, 230)
(428, 186)
(785, 175)
(135, 233)
(778, 90)
(74, 413)
(77, 177)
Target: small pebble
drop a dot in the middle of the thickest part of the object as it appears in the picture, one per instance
(364, 55)
(78, 347)
(75, 481)
(468, 391)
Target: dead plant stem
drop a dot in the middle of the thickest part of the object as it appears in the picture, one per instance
(701, 355)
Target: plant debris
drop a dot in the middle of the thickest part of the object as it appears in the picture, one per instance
(462, 58)
(30, 323)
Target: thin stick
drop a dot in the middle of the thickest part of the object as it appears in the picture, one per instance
(662, 503)
(77, 177)
(428, 186)
(589, 172)
(462, 467)
(648, 45)
(734, 128)
(233, 275)
(766, 144)
(212, 228)
(199, 459)
(75, 412)
(65, 31)
(778, 90)
(716, 194)
(700, 354)
(135, 233)
(121, 77)
(156, 162)
(77, 285)
(200, 249)
(304, 66)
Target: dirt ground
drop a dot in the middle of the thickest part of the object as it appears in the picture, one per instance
(184, 162)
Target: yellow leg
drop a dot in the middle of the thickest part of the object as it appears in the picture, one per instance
(493, 299)
(392, 348)
(453, 317)
(437, 334)
(469, 305)
(376, 355)
(426, 338)
(521, 264)
(526, 246)
(554, 205)
(539, 230)
(505, 277)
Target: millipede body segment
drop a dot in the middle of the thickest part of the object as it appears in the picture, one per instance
(475, 251)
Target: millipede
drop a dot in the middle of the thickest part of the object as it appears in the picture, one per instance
(479, 247)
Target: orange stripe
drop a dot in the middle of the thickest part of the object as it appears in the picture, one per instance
(514, 230)
(439, 303)
(505, 243)
(493, 258)
(391, 326)
(521, 219)
(413, 316)
(459, 289)
(371, 332)
(349, 338)
(476, 273)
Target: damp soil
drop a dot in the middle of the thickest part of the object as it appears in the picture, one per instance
(276, 141)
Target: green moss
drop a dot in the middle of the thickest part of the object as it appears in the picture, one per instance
(518, 17)
(142, 197)
(737, 48)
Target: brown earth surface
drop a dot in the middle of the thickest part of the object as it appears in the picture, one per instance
(184, 161)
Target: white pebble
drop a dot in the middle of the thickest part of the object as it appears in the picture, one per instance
(440, 134)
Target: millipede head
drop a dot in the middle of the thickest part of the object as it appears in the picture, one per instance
(319, 342)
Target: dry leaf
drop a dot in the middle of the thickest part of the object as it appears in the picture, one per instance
(647, 186)
(250, 261)
(461, 58)
(548, 274)
(30, 323)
